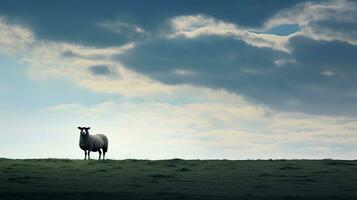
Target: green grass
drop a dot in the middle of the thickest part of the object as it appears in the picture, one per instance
(177, 179)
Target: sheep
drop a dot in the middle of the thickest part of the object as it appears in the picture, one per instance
(88, 143)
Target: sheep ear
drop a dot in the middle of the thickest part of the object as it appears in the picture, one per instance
(79, 128)
(88, 128)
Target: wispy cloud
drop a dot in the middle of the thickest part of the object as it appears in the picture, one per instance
(48, 59)
(239, 127)
(199, 25)
(327, 20)
(122, 27)
(14, 38)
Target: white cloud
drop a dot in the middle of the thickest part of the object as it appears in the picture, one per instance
(14, 38)
(310, 17)
(193, 26)
(122, 27)
(92, 52)
(328, 73)
(224, 123)
(47, 59)
(282, 62)
(183, 72)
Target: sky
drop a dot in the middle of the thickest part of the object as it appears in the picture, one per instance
(248, 79)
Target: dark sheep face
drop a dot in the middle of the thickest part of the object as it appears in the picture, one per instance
(84, 130)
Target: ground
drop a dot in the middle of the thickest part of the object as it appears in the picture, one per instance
(177, 179)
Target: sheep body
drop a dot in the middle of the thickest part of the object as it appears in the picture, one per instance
(94, 142)
(88, 143)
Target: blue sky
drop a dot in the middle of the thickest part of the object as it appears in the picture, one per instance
(235, 80)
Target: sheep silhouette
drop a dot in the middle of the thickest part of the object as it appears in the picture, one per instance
(88, 143)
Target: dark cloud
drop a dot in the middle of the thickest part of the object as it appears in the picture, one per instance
(77, 21)
(216, 62)
(317, 76)
(100, 70)
(318, 55)
(69, 54)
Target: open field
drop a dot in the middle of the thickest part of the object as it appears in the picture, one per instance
(177, 179)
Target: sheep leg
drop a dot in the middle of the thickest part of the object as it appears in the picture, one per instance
(85, 155)
(88, 155)
(100, 154)
(103, 155)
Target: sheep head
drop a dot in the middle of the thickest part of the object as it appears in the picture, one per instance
(84, 130)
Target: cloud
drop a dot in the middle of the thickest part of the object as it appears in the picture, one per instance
(326, 20)
(100, 70)
(14, 38)
(79, 51)
(200, 57)
(328, 73)
(122, 27)
(77, 63)
(286, 81)
(223, 122)
(49, 60)
(77, 23)
(305, 71)
(199, 25)
(289, 74)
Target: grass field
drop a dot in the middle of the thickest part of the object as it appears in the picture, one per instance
(177, 179)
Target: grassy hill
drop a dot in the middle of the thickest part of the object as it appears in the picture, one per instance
(177, 179)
